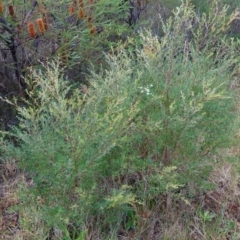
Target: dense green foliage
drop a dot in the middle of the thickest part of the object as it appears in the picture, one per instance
(146, 125)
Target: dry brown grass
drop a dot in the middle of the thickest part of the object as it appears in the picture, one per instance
(10, 178)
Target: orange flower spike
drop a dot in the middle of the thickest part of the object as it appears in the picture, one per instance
(19, 28)
(81, 4)
(11, 10)
(89, 19)
(72, 8)
(41, 25)
(1, 8)
(82, 13)
(93, 30)
(139, 2)
(32, 30)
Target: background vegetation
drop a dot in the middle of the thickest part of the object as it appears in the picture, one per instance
(117, 123)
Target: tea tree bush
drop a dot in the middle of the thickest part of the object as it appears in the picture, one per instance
(146, 126)
(185, 87)
(63, 135)
(203, 6)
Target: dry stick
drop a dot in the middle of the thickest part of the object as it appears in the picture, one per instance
(25, 20)
(13, 49)
(132, 18)
(11, 10)
(4, 57)
(12, 45)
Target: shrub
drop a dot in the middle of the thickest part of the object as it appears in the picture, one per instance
(63, 135)
(145, 127)
(187, 104)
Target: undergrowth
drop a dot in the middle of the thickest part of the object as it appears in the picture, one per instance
(119, 157)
